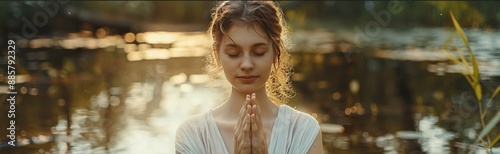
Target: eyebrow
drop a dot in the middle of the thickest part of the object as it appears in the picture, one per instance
(253, 46)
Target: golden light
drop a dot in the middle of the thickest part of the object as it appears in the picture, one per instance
(374, 108)
(155, 53)
(331, 128)
(298, 77)
(135, 56)
(33, 91)
(354, 86)
(23, 78)
(178, 79)
(322, 84)
(129, 37)
(91, 43)
(144, 47)
(139, 37)
(196, 39)
(336, 96)
(161, 37)
(199, 78)
(4, 89)
(348, 111)
(23, 90)
(129, 48)
(188, 52)
(314, 115)
(186, 87)
(318, 58)
(101, 32)
(72, 43)
(103, 43)
(61, 102)
(41, 42)
(86, 33)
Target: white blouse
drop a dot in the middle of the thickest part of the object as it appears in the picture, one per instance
(293, 133)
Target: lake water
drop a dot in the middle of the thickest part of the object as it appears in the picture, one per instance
(399, 95)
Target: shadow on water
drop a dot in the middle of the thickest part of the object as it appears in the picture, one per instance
(397, 98)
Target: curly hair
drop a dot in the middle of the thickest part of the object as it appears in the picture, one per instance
(269, 17)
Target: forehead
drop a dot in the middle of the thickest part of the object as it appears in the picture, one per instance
(244, 35)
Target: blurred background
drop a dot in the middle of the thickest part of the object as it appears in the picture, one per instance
(119, 76)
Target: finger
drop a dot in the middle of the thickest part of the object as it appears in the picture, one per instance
(255, 128)
(252, 98)
(257, 111)
(258, 119)
(243, 111)
(248, 110)
(246, 130)
(254, 102)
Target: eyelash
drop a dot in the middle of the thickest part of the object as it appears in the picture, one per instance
(258, 54)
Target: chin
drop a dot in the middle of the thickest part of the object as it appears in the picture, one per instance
(247, 89)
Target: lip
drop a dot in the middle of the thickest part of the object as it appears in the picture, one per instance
(247, 79)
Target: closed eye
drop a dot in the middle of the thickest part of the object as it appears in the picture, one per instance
(259, 53)
(233, 55)
(232, 52)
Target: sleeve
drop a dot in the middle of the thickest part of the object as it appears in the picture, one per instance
(306, 130)
(186, 140)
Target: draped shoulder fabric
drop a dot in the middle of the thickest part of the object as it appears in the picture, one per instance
(293, 133)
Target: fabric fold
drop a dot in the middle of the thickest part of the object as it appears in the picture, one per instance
(293, 133)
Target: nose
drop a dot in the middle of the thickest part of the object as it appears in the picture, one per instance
(246, 63)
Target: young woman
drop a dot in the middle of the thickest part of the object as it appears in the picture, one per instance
(249, 51)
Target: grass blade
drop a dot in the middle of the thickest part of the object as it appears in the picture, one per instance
(477, 86)
(491, 98)
(493, 122)
(460, 31)
(495, 141)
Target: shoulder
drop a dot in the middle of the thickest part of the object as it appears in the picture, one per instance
(189, 134)
(299, 117)
(302, 131)
(193, 123)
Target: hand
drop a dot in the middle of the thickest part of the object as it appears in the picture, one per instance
(242, 135)
(258, 136)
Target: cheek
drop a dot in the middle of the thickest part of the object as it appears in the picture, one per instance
(267, 64)
(227, 64)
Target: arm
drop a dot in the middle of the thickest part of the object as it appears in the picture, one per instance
(317, 146)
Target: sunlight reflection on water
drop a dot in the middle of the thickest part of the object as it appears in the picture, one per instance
(157, 133)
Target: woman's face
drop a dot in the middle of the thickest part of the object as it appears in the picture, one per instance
(246, 57)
